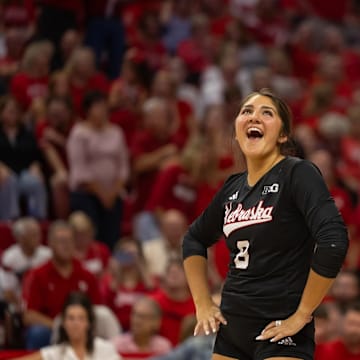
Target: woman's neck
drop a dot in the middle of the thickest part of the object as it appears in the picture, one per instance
(79, 347)
(257, 168)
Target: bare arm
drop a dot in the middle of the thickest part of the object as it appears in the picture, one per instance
(152, 160)
(207, 312)
(32, 317)
(34, 356)
(54, 159)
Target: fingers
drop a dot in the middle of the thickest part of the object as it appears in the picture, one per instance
(210, 325)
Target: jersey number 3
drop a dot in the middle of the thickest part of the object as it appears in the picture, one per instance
(241, 259)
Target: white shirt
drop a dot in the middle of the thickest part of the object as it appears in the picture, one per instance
(8, 282)
(103, 350)
(14, 259)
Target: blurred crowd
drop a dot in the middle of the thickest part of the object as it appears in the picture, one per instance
(116, 130)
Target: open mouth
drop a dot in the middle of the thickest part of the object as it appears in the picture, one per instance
(254, 133)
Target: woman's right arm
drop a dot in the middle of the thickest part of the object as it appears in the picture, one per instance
(203, 233)
(208, 313)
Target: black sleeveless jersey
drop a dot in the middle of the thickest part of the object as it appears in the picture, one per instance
(272, 230)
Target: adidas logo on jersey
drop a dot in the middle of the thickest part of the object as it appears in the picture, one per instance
(288, 341)
(274, 188)
(234, 196)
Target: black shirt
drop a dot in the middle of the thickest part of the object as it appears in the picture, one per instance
(275, 230)
(21, 153)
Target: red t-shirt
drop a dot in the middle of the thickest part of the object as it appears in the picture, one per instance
(26, 88)
(45, 289)
(128, 121)
(173, 312)
(96, 82)
(335, 350)
(144, 142)
(122, 300)
(15, 14)
(173, 189)
(97, 257)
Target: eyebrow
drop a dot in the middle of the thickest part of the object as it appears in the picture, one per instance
(261, 107)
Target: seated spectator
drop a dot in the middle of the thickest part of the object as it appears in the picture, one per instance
(20, 171)
(128, 279)
(76, 338)
(193, 347)
(98, 168)
(46, 287)
(83, 77)
(348, 346)
(28, 252)
(174, 299)
(326, 329)
(93, 254)
(52, 134)
(145, 320)
(345, 289)
(158, 251)
(32, 81)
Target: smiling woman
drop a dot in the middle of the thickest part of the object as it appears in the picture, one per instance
(286, 238)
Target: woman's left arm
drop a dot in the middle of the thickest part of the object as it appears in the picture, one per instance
(328, 229)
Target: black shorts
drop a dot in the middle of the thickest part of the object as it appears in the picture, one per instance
(237, 340)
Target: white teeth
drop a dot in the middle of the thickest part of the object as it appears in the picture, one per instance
(254, 129)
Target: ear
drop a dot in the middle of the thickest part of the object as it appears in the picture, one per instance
(283, 139)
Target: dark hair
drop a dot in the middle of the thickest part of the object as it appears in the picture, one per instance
(287, 148)
(79, 298)
(91, 98)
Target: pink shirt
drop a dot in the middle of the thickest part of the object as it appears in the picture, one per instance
(99, 156)
(124, 343)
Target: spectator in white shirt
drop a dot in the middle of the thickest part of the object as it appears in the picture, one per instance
(28, 252)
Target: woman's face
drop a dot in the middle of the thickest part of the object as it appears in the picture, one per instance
(76, 322)
(98, 113)
(258, 128)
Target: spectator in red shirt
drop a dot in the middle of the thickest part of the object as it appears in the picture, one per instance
(148, 44)
(14, 41)
(93, 254)
(32, 81)
(164, 87)
(83, 77)
(128, 279)
(52, 133)
(126, 96)
(151, 149)
(46, 287)
(348, 346)
(174, 299)
(198, 50)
